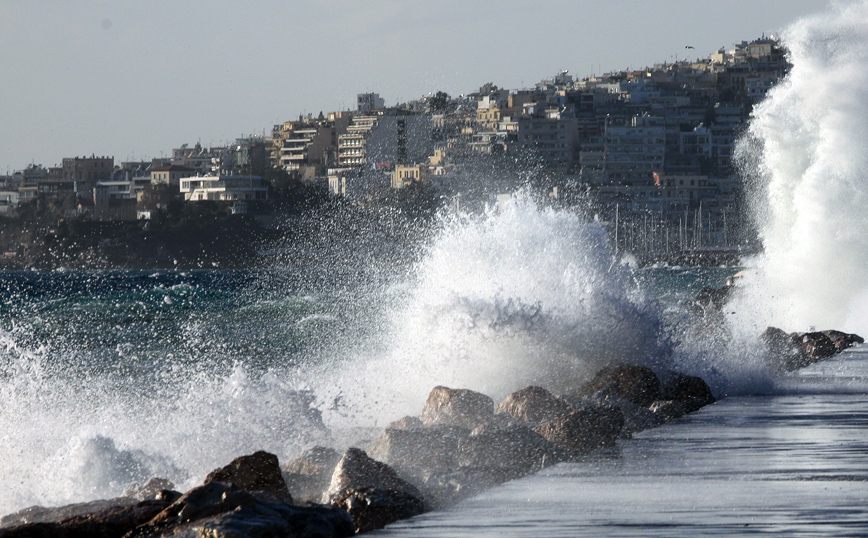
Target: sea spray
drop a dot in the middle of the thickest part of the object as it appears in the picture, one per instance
(518, 295)
(70, 439)
(806, 155)
(113, 385)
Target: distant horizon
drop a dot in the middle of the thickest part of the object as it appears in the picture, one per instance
(133, 81)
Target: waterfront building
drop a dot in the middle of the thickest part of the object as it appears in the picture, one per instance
(223, 188)
(170, 175)
(76, 175)
(550, 134)
(405, 175)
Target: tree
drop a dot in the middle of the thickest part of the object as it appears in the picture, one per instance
(440, 102)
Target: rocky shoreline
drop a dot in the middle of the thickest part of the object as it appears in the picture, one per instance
(460, 445)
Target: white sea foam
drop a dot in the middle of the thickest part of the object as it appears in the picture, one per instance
(70, 438)
(516, 296)
(807, 154)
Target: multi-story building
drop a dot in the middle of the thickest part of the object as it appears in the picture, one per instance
(114, 200)
(399, 138)
(202, 160)
(170, 175)
(635, 151)
(404, 175)
(309, 146)
(551, 135)
(352, 144)
(9, 200)
(224, 188)
(77, 175)
(369, 102)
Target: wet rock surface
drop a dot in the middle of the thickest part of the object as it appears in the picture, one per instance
(373, 508)
(116, 521)
(636, 417)
(843, 340)
(43, 514)
(534, 405)
(516, 450)
(457, 407)
(357, 470)
(259, 471)
(637, 384)
(443, 488)
(222, 509)
(372, 492)
(309, 475)
(791, 351)
(584, 430)
(711, 299)
(436, 447)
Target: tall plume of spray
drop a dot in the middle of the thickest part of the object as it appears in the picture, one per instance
(806, 158)
(517, 295)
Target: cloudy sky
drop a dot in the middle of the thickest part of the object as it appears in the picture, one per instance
(134, 79)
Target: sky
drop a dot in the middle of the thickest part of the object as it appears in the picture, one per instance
(134, 79)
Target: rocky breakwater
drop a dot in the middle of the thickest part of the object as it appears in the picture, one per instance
(248, 497)
(460, 444)
(784, 351)
(791, 351)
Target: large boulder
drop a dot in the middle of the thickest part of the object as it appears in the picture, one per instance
(457, 407)
(308, 476)
(637, 384)
(44, 514)
(357, 470)
(372, 492)
(534, 405)
(636, 417)
(436, 447)
(584, 429)
(207, 500)
(316, 460)
(517, 450)
(373, 508)
(220, 509)
(445, 487)
(259, 471)
(792, 351)
(692, 391)
(816, 346)
(670, 409)
(783, 349)
(111, 522)
(843, 340)
(263, 519)
(407, 423)
(678, 386)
